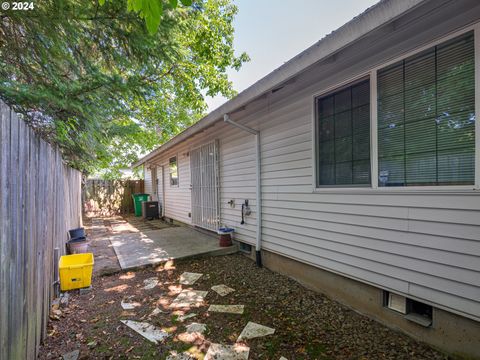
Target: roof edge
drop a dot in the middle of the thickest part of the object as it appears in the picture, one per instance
(373, 17)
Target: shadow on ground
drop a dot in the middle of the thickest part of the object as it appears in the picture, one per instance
(307, 325)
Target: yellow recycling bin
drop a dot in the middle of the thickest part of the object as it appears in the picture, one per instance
(75, 271)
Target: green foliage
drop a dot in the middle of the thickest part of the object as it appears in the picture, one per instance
(151, 10)
(89, 77)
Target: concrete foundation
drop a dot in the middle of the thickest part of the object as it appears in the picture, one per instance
(451, 333)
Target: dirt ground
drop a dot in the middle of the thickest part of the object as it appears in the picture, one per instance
(307, 324)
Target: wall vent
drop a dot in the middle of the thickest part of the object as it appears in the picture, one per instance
(415, 311)
(397, 303)
(246, 248)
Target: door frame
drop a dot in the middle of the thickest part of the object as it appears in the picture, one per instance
(216, 179)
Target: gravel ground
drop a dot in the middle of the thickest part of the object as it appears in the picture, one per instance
(307, 324)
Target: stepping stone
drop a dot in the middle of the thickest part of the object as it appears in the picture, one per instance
(253, 330)
(222, 290)
(196, 328)
(72, 355)
(188, 278)
(182, 356)
(230, 309)
(185, 317)
(189, 298)
(148, 331)
(155, 312)
(227, 352)
(283, 358)
(129, 305)
(150, 283)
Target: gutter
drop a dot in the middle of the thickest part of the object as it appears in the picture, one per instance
(258, 244)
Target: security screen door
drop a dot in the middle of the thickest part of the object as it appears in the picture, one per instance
(205, 186)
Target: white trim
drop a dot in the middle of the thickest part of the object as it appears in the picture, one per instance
(373, 130)
(373, 124)
(476, 41)
(314, 143)
(454, 189)
(334, 88)
(163, 191)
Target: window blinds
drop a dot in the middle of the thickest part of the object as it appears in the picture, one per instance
(426, 117)
(343, 125)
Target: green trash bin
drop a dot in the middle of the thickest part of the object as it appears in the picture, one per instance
(137, 202)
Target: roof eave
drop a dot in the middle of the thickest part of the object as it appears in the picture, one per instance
(372, 18)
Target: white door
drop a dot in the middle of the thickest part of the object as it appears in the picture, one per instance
(160, 187)
(205, 186)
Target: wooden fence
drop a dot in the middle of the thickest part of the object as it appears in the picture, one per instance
(40, 199)
(110, 197)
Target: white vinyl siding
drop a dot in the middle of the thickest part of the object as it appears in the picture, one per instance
(177, 198)
(237, 178)
(148, 181)
(423, 244)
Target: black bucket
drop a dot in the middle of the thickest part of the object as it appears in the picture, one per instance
(76, 233)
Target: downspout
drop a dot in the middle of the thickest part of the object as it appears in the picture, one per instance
(258, 245)
(163, 192)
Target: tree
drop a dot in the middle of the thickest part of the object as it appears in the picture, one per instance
(92, 79)
(151, 10)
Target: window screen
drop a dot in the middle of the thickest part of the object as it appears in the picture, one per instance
(343, 139)
(173, 171)
(426, 117)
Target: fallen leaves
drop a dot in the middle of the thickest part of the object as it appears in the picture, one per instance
(307, 325)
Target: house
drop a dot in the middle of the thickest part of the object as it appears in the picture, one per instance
(368, 161)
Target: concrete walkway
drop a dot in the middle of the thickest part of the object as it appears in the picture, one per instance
(98, 231)
(138, 244)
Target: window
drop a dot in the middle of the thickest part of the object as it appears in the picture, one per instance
(172, 163)
(343, 136)
(426, 117)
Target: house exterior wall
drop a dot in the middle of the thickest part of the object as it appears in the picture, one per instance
(177, 198)
(147, 178)
(420, 243)
(237, 177)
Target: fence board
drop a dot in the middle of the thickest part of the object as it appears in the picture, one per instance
(110, 197)
(4, 227)
(40, 199)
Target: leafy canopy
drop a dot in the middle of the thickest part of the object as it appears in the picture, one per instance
(91, 78)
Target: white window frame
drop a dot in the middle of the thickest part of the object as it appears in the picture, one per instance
(372, 75)
(331, 90)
